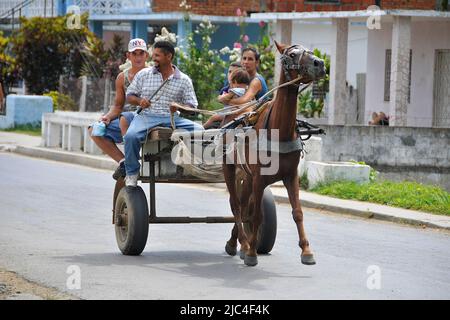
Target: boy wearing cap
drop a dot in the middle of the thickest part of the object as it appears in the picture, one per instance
(121, 113)
(178, 90)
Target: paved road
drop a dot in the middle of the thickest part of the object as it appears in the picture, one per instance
(56, 215)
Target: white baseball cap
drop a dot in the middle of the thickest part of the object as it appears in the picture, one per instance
(136, 44)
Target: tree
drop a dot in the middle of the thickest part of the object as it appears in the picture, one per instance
(8, 67)
(45, 49)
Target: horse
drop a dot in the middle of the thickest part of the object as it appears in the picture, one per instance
(297, 62)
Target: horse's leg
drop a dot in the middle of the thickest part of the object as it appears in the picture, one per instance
(229, 172)
(251, 258)
(246, 191)
(291, 184)
(231, 245)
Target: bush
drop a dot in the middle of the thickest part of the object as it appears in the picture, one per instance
(45, 48)
(203, 65)
(308, 106)
(267, 59)
(62, 102)
(9, 72)
(303, 181)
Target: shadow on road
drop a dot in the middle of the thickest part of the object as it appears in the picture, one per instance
(231, 270)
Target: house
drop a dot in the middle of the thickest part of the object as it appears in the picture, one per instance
(397, 56)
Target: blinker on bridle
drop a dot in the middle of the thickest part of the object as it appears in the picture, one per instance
(289, 63)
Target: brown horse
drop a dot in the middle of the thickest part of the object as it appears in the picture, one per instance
(280, 114)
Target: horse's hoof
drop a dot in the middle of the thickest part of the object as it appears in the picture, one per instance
(242, 254)
(250, 261)
(230, 249)
(308, 259)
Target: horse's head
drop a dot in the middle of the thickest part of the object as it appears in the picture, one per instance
(298, 61)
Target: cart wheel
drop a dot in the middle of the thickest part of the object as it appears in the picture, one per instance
(267, 232)
(131, 221)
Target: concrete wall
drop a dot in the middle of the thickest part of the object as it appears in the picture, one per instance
(319, 35)
(426, 37)
(25, 110)
(423, 153)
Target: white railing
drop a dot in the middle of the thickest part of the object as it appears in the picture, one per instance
(93, 7)
(110, 7)
(35, 8)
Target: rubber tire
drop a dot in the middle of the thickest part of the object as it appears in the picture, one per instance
(268, 229)
(138, 220)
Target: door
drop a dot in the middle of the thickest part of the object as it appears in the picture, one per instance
(441, 94)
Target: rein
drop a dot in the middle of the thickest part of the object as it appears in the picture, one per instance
(287, 63)
(236, 108)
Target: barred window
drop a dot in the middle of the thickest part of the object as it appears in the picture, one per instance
(387, 76)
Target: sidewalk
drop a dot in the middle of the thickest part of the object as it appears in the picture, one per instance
(30, 146)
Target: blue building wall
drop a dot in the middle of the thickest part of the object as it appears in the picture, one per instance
(226, 35)
(22, 109)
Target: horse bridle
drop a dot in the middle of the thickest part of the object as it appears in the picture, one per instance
(289, 63)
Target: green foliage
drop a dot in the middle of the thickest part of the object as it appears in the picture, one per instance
(95, 57)
(45, 48)
(308, 106)
(267, 59)
(29, 129)
(116, 55)
(8, 67)
(303, 181)
(323, 84)
(62, 102)
(262, 45)
(408, 195)
(203, 65)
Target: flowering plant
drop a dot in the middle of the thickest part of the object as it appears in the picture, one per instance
(203, 65)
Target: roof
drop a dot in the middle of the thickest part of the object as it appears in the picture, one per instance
(168, 17)
(320, 15)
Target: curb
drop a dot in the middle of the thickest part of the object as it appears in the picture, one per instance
(364, 214)
(68, 157)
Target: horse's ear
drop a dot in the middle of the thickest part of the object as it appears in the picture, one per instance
(280, 46)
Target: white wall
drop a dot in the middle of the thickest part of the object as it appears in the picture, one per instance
(319, 35)
(426, 37)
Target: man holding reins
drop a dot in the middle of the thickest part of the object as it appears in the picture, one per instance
(175, 89)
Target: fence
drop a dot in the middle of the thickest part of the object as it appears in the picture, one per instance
(90, 94)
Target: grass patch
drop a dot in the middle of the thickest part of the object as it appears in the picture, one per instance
(29, 129)
(408, 195)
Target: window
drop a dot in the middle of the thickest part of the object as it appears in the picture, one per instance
(387, 76)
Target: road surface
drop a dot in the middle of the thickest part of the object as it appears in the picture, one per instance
(56, 229)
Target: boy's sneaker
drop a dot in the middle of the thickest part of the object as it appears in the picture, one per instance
(120, 171)
(131, 181)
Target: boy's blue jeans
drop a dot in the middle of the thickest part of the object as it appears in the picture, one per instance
(137, 133)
